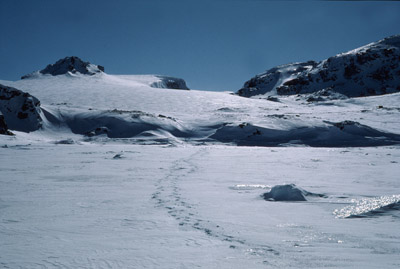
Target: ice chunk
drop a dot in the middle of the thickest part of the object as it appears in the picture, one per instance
(369, 206)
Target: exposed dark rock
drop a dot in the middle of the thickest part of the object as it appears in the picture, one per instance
(69, 64)
(20, 109)
(376, 65)
(98, 131)
(288, 192)
(3, 126)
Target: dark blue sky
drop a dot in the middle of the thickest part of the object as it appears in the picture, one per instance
(213, 45)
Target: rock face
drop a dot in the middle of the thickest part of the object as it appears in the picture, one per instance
(69, 64)
(170, 83)
(373, 69)
(3, 126)
(20, 109)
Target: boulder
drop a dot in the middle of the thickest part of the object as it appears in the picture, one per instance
(287, 192)
(3, 126)
(21, 110)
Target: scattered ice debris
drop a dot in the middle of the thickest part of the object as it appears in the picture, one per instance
(249, 187)
(288, 192)
(369, 207)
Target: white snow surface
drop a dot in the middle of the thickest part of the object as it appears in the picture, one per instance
(129, 107)
(166, 179)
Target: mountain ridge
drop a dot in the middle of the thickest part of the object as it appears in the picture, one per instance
(373, 69)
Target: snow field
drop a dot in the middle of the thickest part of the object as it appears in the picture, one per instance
(169, 207)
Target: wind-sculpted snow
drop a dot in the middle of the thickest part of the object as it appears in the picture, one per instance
(80, 204)
(67, 65)
(123, 124)
(373, 69)
(369, 207)
(20, 109)
(288, 192)
(341, 134)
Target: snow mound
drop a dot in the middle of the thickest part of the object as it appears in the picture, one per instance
(121, 124)
(67, 65)
(369, 207)
(373, 69)
(340, 134)
(166, 82)
(20, 109)
(288, 192)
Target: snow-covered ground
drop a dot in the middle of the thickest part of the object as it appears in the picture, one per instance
(125, 175)
(134, 206)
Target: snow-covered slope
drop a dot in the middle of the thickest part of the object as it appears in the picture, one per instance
(75, 67)
(373, 69)
(125, 106)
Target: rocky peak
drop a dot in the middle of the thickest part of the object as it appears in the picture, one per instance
(71, 64)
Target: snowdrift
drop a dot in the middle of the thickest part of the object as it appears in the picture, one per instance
(122, 124)
(341, 134)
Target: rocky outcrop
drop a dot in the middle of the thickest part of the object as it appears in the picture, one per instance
(373, 69)
(170, 83)
(20, 109)
(68, 64)
(3, 126)
(289, 192)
